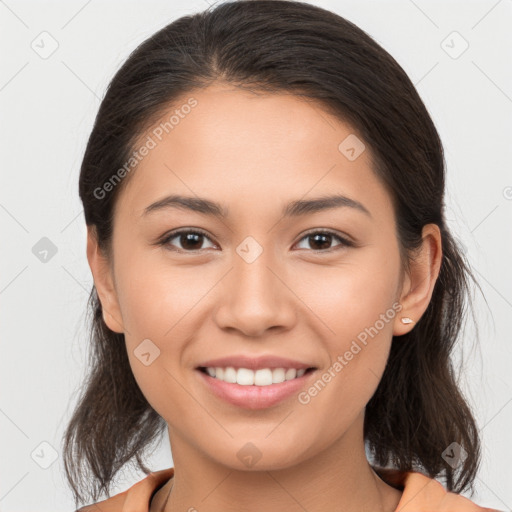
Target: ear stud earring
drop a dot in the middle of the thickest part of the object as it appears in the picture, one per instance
(406, 320)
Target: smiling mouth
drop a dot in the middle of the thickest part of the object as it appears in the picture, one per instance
(259, 377)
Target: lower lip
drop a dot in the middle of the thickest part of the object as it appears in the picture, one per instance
(254, 397)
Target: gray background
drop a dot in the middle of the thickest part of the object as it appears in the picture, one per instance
(48, 104)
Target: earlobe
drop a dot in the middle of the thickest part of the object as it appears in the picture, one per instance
(104, 282)
(419, 284)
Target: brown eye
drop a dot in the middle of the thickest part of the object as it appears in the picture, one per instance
(322, 240)
(188, 240)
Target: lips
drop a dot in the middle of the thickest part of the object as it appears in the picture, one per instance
(256, 363)
(254, 397)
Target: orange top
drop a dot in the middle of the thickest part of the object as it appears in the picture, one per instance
(420, 494)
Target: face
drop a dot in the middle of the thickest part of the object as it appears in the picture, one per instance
(278, 274)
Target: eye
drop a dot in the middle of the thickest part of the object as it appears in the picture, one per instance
(190, 240)
(324, 240)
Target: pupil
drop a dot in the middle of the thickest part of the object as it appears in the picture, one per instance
(324, 237)
(190, 238)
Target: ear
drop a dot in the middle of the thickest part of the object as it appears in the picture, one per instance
(104, 282)
(419, 282)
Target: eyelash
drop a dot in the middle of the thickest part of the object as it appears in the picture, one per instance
(164, 241)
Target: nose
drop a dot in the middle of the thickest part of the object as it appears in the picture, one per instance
(255, 297)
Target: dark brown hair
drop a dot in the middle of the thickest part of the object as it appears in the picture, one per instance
(270, 46)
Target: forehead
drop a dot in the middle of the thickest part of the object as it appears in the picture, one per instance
(236, 146)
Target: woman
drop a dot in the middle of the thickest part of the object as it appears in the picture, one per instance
(274, 279)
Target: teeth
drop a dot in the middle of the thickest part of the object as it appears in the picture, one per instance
(262, 377)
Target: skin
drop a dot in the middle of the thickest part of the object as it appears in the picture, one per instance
(255, 153)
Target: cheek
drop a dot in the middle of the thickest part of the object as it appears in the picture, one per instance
(352, 296)
(159, 302)
(357, 307)
(157, 295)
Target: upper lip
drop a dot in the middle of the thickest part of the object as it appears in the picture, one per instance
(255, 363)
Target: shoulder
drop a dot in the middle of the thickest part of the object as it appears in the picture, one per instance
(427, 492)
(424, 494)
(135, 499)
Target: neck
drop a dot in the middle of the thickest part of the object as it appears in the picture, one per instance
(338, 478)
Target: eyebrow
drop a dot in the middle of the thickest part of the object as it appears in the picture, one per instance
(293, 209)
